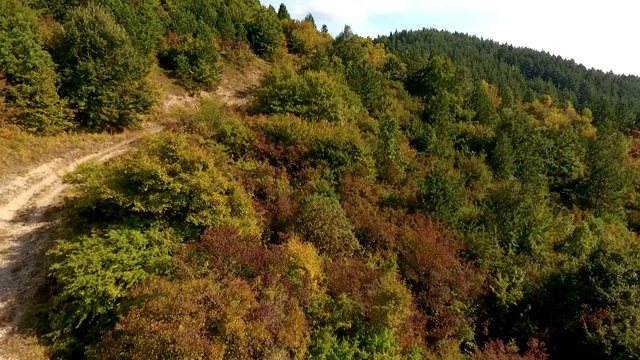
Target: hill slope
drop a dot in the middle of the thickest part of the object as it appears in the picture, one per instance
(350, 201)
(528, 73)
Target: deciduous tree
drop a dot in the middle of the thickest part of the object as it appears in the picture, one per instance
(29, 72)
(102, 72)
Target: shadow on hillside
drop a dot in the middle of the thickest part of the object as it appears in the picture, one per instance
(23, 279)
(245, 93)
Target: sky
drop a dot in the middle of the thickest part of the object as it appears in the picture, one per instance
(599, 34)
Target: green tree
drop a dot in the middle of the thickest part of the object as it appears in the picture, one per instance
(590, 304)
(350, 47)
(224, 24)
(310, 19)
(29, 72)
(168, 181)
(265, 33)
(485, 111)
(508, 98)
(341, 150)
(323, 222)
(606, 186)
(312, 95)
(93, 274)
(366, 81)
(283, 13)
(502, 157)
(102, 72)
(142, 19)
(388, 153)
(436, 76)
(182, 19)
(441, 193)
(395, 69)
(57, 9)
(520, 217)
(195, 61)
(529, 73)
(444, 89)
(213, 123)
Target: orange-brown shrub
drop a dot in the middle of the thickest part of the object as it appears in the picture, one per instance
(444, 285)
(230, 253)
(208, 319)
(374, 226)
(498, 350)
(273, 199)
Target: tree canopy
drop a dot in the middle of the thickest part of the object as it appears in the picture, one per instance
(423, 195)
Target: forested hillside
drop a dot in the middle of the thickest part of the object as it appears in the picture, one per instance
(425, 195)
(527, 73)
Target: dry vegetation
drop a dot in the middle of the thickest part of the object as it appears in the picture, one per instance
(20, 151)
(24, 348)
(240, 78)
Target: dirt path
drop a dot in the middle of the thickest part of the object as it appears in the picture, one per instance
(23, 235)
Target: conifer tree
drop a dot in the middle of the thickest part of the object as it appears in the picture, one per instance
(310, 19)
(485, 112)
(283, 13)
(224, 24)
(265, 33)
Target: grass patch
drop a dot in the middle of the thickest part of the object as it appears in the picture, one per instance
(25, 347)
(20, 151)
(163, 85)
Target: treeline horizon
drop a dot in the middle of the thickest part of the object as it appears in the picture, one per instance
(528, 72)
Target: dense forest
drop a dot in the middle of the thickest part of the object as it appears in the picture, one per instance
(527, 74)
(425, 195)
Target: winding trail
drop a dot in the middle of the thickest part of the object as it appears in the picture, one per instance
(23, 230)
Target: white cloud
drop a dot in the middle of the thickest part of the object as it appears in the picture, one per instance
(354, 12)
(598, 34)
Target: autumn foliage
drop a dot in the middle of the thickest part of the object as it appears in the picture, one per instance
(366, 202)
